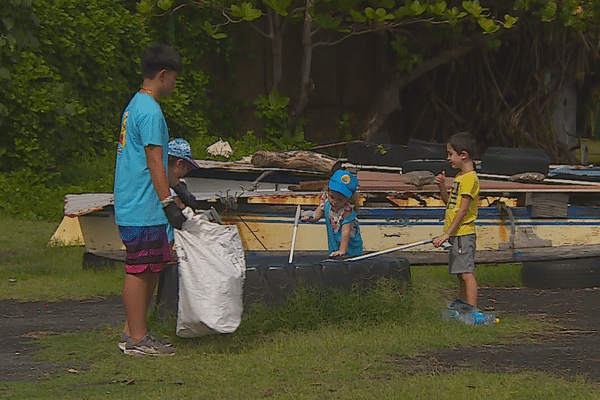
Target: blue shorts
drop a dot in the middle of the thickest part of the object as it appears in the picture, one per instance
(147, 248)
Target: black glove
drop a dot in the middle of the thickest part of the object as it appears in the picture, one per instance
(185, 195)
(174, 215)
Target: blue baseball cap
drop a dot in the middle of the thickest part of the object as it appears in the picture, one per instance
(343, 182)
(180, 148)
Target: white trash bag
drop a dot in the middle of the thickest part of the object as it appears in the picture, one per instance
(212, 269)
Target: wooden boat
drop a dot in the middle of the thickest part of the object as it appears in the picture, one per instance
(517, 221)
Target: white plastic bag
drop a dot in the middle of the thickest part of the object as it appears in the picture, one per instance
(212, 270)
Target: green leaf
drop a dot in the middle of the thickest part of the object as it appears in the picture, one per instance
(209, 28)
(12, 41)
(382, 15)
(165, 5)
(488, 25)
(510, 21)
(439, 8)
(370, 13)
(280, 6)
(219, 35)
(247, 12)
(144, 6)
(327, 21)
(9, 23)
(549, 12)
(356, 16)
(418, 8)
(4, 74)
(472, 7)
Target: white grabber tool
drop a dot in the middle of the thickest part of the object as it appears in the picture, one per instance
(444, 246)
(294, 235)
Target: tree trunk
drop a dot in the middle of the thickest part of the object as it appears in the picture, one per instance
(389, 99)
(305, 68)
(300, 159)
(276, 37)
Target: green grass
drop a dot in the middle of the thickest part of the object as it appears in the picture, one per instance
(321, 345)
(32, 270)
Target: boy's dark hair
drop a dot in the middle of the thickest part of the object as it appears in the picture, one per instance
(464, 141)
(172, 160)
(157, 57)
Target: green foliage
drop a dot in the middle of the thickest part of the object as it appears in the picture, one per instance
(346, 127)
(40, 195)
(273, 112)
(63, 97)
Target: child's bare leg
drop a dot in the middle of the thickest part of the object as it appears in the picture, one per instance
(137, 289)
(468, 288)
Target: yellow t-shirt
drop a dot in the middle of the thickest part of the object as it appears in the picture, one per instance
(464, 184)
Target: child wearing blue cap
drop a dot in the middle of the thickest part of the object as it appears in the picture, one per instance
(339, 204)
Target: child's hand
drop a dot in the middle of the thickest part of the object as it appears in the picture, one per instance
(437, 242)
(337, 254)
(440, 179)
(306, 218)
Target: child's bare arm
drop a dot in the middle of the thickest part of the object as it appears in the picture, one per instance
(440, 181)
(344, 242)
(465, 200)
(318, 215)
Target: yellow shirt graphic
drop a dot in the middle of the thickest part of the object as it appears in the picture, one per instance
(464, 184)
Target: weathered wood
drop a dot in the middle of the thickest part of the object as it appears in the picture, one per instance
(299, 159)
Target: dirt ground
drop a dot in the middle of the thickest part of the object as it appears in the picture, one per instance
(573, 349)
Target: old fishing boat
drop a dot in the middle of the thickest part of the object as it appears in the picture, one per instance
(552, 220)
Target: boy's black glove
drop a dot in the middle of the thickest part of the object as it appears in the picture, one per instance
(186, 196)
(174, 215)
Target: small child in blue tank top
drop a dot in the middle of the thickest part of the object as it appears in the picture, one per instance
(339, 204)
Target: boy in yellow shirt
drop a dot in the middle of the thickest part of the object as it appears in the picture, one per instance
(461, 213)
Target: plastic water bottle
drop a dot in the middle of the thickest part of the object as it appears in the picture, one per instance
(451, 315)
(479, 318)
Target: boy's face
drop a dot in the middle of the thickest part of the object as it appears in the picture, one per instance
(168, 79)
(180, 168)
(456, 159)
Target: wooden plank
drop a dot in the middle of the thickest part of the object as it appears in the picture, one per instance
(386, 182)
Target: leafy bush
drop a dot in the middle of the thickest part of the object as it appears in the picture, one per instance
(273, 112)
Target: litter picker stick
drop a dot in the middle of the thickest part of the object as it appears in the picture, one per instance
(378, 253)
(294, 235)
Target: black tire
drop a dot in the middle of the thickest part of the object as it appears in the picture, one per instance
(434, 166)
(167, 296)
(565, 274)
(509, 161)
(270, 279)
(92, 261)
(420, 149)
(389, 155)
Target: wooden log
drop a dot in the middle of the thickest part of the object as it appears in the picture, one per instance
(298, 159)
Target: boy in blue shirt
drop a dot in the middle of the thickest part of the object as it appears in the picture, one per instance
(143, 203)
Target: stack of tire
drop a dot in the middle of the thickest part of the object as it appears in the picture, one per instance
(511, 161)
(416, 155)
(270, 279)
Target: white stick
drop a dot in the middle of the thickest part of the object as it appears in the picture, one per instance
(378, 253)
(294, 235)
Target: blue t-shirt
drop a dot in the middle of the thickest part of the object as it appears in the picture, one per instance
(136, 201)
(334, 232)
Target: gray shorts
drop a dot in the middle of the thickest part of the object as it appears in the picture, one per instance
(461, 258)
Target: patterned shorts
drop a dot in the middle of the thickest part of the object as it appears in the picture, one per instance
(147, 248)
